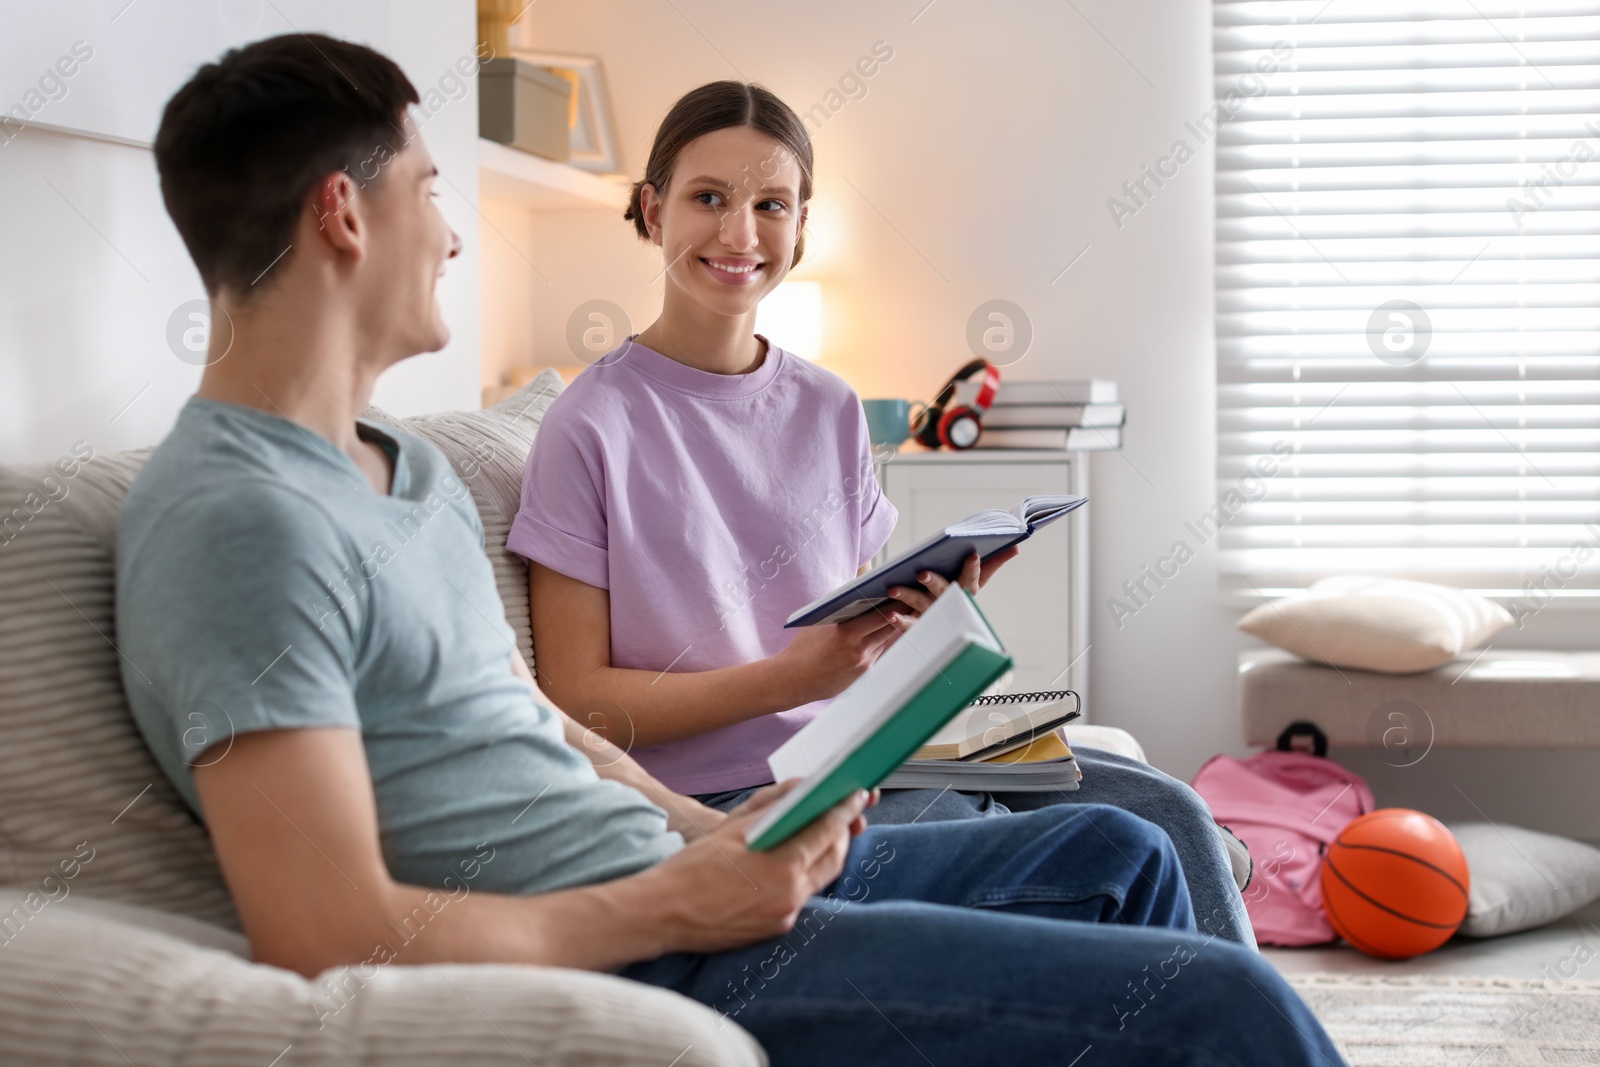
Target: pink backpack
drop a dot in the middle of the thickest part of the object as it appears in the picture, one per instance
(1287, 807)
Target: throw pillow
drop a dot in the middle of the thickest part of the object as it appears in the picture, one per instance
(1377, 624)
(1522, 878)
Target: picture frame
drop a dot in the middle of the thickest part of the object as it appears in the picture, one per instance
(594, 136)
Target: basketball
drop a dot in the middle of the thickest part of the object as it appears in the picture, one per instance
(1395, 884)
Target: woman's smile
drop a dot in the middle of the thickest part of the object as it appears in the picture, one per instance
(734, 271)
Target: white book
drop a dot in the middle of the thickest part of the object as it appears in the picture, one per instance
(1041, 391)
(914, 660)
(1042, 416)
(1077, 439)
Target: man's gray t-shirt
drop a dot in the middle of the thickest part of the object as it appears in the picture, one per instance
(262, 583)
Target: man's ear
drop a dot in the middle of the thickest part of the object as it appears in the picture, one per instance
(650, 206)
(336, 204)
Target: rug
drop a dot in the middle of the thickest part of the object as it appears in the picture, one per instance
(1436, 1021)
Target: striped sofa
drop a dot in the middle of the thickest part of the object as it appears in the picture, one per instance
(118, 941)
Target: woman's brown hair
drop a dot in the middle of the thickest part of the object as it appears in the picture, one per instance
(719, 106)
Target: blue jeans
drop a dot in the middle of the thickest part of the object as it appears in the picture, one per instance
(1107, 779)
(1004, 941)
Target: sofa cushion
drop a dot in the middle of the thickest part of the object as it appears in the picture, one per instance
(83, 982)
(79, 791)
(1106, 738)
(489, 449)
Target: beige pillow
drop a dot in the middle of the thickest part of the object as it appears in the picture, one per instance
(85, 981)
(1377, 624)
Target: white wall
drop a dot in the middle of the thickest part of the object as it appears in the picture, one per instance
(978, 165)
(92, 268)
(428, 38)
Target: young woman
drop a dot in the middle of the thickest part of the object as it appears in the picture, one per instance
(694, 486)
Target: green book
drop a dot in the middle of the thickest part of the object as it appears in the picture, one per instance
(934, 670)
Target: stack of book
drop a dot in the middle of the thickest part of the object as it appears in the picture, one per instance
(902, 708)
(1077, 416)
(1005, 743)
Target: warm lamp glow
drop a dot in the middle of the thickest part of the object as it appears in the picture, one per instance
(791, 318)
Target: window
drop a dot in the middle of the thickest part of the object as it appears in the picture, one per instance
(1408, 293)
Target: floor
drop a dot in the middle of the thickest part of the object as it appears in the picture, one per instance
(1554, 952)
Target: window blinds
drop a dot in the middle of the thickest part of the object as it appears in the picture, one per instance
(1408, 294)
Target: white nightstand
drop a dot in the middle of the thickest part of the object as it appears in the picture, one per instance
(1039, 602)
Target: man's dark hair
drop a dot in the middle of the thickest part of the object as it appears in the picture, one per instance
(243, 143)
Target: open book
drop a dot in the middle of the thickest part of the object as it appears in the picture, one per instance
(947, 657)
(985, 533)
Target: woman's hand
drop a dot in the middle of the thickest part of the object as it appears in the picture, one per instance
(974, 575)
(823, 660)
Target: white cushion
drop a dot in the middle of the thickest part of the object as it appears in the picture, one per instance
(1377, 624)
(1522, 878)
(1106, 738)
(83, 982)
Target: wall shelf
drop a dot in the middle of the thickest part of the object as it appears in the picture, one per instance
(544, 185)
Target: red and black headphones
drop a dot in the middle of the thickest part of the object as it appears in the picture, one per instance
(959, 427)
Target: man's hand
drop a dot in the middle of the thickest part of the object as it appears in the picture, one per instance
(974, 575)
(695, 820)
(823, 660)
(717, 894)
(294, 820)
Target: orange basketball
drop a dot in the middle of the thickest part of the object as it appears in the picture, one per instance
(1394, 883)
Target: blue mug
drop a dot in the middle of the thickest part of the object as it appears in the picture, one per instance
(889, 421)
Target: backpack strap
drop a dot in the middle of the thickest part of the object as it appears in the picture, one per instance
(1319, 740)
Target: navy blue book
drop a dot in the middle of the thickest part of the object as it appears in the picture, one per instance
(985, 533)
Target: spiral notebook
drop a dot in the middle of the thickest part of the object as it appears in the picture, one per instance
(995, 724)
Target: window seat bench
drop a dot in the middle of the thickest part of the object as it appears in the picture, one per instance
(1498, 698)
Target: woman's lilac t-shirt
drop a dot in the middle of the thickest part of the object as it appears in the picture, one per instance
(711, 506)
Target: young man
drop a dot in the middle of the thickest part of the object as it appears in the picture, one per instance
(330, 686)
